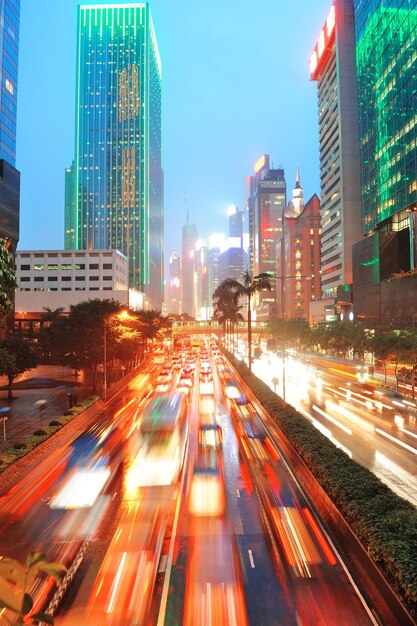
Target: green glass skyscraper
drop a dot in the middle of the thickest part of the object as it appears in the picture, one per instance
(386, 57)
(114, 188)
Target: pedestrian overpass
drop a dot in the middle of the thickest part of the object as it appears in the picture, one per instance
(211, 326)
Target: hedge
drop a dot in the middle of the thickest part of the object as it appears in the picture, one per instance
(385, 523)
(29, 443)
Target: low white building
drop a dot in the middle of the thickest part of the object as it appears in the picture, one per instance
(60, 278)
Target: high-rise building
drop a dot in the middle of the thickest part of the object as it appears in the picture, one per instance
(202, 296)
(267, 200)
(188, 287)
(215, 242)
(114, 190)
(332, 65)
(298, 257)
(386, 40)
(231, 259)
(174, 286)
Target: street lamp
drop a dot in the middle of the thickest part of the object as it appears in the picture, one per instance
(282, 278)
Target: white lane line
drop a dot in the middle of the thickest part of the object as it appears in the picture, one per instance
(408, 432)
(252, 562)
(238, 493)
(395, 440)
(165, 589)
(332, 420)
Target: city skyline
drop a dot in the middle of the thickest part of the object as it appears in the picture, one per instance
(200, 97)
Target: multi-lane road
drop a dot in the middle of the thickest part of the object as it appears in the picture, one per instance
(232, 540)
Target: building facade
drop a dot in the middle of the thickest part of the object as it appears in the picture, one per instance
(213, 254)
(9, 57)
(188, 281)
(332, 65)
(268, 198)
(114, 190)
(174, 285)
(298, 258)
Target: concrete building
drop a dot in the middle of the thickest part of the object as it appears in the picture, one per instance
(298, 257)
(114, 189)
(174, 285)
(188, 287)
(332, 65)
(215, 242)
(60, 278)
(267, 200)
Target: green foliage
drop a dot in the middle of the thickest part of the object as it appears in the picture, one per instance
(16, 582)
(39, 432)
(16, 357)
(7, 281)
(385, 523)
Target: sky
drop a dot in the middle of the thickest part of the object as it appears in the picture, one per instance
(235, 85)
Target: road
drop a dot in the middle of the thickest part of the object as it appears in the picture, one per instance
(377, 430)
(231, 540)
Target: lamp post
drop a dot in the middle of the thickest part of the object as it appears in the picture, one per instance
(282, 278)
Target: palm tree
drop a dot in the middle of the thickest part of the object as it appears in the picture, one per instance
(248, 287)
(227, 309)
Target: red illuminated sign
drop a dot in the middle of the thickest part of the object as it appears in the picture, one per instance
(324, 44)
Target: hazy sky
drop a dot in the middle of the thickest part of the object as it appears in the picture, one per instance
(235, 86)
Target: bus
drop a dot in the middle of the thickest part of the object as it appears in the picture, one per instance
(163, 430)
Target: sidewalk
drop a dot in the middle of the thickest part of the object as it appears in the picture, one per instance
(24, 416)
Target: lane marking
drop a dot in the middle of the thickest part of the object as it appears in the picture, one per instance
(395, 440)
(332, 420)
(238, 493)
(252, 562)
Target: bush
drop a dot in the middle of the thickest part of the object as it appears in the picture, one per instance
(19, 446)
(39, 433)
(55, 423)
(384, 523)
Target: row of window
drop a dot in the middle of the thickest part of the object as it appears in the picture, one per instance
(66, 289)
(65, 266)
(51, 279)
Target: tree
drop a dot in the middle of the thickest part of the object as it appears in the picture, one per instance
(21, 358)
(227, 309)
(384, 347)
(152, 323)
(16, 581)
(247, 288)
(7, 281)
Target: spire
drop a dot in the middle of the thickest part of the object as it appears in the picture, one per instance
(297, 178)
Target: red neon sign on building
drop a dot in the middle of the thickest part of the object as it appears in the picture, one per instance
(324, 44)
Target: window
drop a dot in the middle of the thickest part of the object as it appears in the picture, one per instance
(107, 288)
(52, 255)
(52, 288)
(52, 266)
(39, 267)
(25, 279)
(38, 279)
(25, 267)
(79, 278)
(52, 279)
(66, 266)
(93, 266)
(66, 289)
(94, 278)
(38, 289)
(25, 256)
(24, 289)
(67, 278)
(94, 289)
(107, 266)
(80, 289)
(66, 255)
(80, 266)
(38, 256)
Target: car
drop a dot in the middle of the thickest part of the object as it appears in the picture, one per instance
(210, 436)
(185, 381)
(207, 496)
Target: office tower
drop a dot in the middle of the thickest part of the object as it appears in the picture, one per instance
(174, 286)
(235, 222)
(202, 297)
(298, 257)
(386, 59)
(213, 254)
(332, 65)
(267, 199)
(188, 287)
(231, 259)
(117, 180)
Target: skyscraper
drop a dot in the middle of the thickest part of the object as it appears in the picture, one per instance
(387, 82)
(268, 196)
(174, 286)
(332, 65)
(114, 190)
(189, 241)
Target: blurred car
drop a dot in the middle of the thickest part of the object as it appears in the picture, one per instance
(210, 436)
(206, 376)
(207, 493)
(186, 380)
